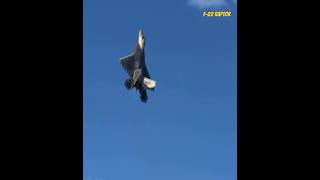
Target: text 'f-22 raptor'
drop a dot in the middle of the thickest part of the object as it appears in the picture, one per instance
(136, 68)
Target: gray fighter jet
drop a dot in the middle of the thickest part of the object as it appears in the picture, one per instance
(135, 66)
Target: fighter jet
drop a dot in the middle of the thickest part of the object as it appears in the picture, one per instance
(134, 65)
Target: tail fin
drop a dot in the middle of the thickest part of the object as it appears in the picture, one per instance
(128, 83)
(143, 95)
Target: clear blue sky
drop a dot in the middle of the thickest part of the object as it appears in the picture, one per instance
(187, 130)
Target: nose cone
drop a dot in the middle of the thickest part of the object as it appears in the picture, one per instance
(141, 33)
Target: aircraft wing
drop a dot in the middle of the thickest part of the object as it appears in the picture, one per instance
(146, 73)
(127, 63)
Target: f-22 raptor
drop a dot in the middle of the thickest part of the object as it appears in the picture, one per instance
(135, 66)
